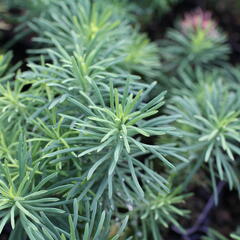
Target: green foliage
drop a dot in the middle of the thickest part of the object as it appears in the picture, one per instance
(14, 103)
(215, 235)
(211, 120)
(101, 40)
(191, 82)
(87, 122)
(156, 209)
(147, 9)
(6, 71)
(235, 236)
(4, 63)
(109, 129)
(179, 50)
(142, 56)
(197, 41)
(28, 201)
(101, 148)
(33, 8)
(22, 195)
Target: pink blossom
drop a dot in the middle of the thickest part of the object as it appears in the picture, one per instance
(199, 20)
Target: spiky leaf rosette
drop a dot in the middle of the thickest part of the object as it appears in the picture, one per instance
(197, 42)
(148, 217)
(26, 199)
(211, 122)
(87, 22)
(111, 138)
(142, 56)
(30, 201)
(93, 33)
(15, 104)
(93, 27)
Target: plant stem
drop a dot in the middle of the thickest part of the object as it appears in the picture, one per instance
(202, 217)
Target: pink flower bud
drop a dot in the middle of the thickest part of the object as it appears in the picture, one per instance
(199, 20)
